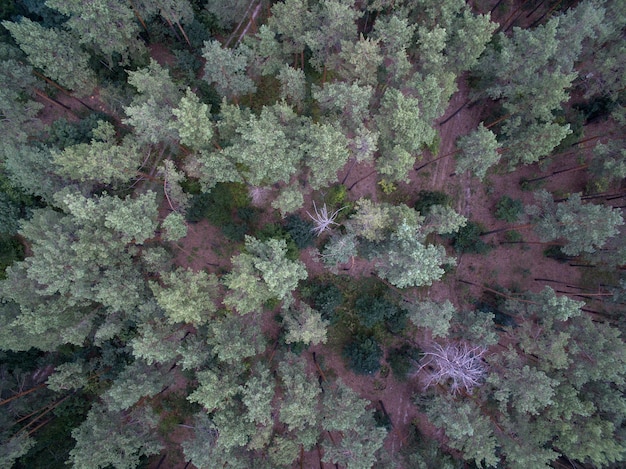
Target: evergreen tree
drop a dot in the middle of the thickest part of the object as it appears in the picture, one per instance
(107, 26)
(111, 438)
(260, 274)
(55, 53)
(585, 227)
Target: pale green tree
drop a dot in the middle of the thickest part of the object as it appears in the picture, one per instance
(226, 69)
(298, 408)
(186, 296)
(257, 394)
(304, 324)
(274, 132)
(349, 103)
(235, 338)
(405, 261)
(103, 160)
(31, 169)
(403, 133)
(358, 61)
(151, 111)
(55, 53)
(108, 26)
(431, 315)
(345, 412)
(156, 342)
(293, 87)
(261, 273)
(584, 227)
(467, 429)
(19, 110)
(119, 439)
(332, 21)
(325, 153)
(193, 122)
(136, 381)
(288, 200)
(479, 152)
(175, 226)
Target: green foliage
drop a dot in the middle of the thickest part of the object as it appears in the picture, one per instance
(508, 209)
(11, 250)
(327, 297)
(260, 274)
(300, 230)
(92, 21)
(114, 438)
(585, 227)
(402, 360)
(426, 199)
(363, 355)
(101, 160)
(304, 324)
(373, 310)
(63, 133)
(479, 151)
(55, 52)
(219, 205)
(467, 239)
(186, 296)
(226, 69)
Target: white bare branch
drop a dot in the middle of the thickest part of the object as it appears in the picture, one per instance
(456, 364)
(322, 220)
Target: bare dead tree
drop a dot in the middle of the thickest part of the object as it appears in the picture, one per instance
(456, 364)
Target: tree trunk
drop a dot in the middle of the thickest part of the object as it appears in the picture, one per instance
(359, 180)
(455, 112)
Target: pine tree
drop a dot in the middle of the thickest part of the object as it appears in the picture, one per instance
(108, 26)
(585, 227)
(260, 274)
(110, 438)
(55, 53)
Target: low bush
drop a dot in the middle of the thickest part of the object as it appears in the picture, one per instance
(363, 355)
(300, 230)
(508, 209)
(426, 199)
(327, 297)
(373, 310)
(467, 239)
(402, 359)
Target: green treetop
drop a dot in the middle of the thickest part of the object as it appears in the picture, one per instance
(55, 53)
(102, 160)
(108, 26)
(585, 227)
(226, 69)
(186, 296)
(261, 273)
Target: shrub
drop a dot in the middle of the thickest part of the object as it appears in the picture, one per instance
(373, 310)
(273, 231)
(513, 236)
(219, 205)
(426, 199)
(11, 250)
(401, 360)
(508, 209)
(336, 195)
(467, 239)
(300, 230)
(363, 355)
(555, 252)
(327, 297)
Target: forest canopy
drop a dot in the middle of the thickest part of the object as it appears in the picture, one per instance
(291, 233)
